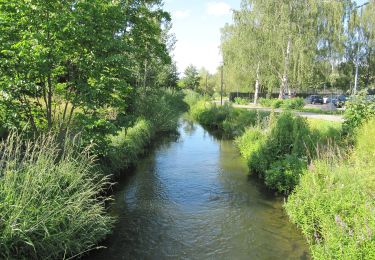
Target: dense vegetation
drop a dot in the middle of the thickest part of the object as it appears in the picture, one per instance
(334, 202)
(51, 202)
(89, 85)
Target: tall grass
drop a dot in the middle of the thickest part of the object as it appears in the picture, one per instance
(279, 149)
(334, 204)
(156, 114)
(51, 203)
(128, 145)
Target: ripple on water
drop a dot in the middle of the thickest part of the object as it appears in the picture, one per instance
(193, 199)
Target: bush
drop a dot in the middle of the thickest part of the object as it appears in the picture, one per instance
(265, 102)
(293, 103)
(241, 101)
(281, 152)
(284, 174)
(358, 111)
(334, 203)
(251, 141)
(50, 199)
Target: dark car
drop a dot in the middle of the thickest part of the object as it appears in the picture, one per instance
(339, 101)
(314, 99)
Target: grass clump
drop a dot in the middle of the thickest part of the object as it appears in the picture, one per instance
(335, 201)
(51, 203)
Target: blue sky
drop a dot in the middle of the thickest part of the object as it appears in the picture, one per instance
(197, 24)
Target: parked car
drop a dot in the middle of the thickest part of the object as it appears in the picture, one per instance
(339, 101)
(314, 99)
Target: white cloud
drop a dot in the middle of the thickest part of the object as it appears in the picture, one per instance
(181, 14)
(218, 8)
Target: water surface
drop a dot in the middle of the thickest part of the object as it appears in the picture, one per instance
(192, 199)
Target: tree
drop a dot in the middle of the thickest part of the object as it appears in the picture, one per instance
(191, 79)
(73, 61)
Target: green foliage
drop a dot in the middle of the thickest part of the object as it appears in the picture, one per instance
(291, 103)
(334, 203)
(229, 121)
(161, 107)
(358, 111)
(127, 145)
(51, 203)
(157, 113)
(241, 101)
(280, 150)
(284, 174)
(251, 141)
(192, 78)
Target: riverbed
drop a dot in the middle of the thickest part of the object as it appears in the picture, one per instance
(192, 198)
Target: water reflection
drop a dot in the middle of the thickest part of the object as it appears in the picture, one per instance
(194, 200)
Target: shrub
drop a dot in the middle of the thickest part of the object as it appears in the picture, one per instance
(241, 101)
(250, 142)
(50, 199)
(293, 103)
(276, 103)
(357, 112)
(284, 174)
(334, 203)
(265, 102)
(281, 152)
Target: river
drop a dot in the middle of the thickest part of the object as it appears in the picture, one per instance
(192, 198)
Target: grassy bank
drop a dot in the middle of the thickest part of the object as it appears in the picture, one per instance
(156, 115)
(278, 148)
(51, 204)
(335, 201)
(51, 193)
(229, 121)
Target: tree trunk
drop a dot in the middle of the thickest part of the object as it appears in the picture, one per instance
(257, 85)
(368, 68)
(284, 80)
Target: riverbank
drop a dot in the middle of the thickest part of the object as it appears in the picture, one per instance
(54, 195)
(330, 182)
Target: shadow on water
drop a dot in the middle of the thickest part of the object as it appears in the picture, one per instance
(191, 198)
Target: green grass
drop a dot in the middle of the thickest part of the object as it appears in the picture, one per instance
(280, 148)
(128, 145)
(51, 203)
(335, 201)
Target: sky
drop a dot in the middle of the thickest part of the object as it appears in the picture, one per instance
(197, 24)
